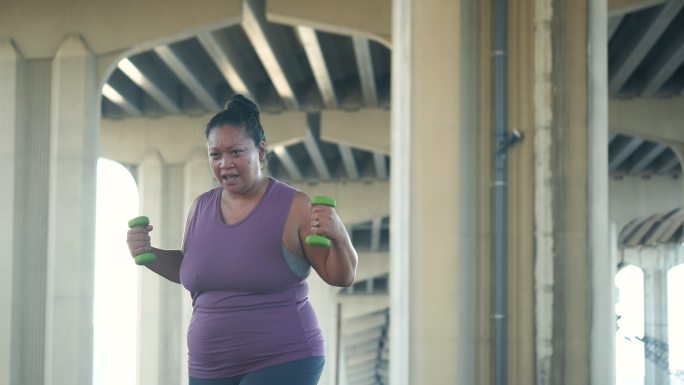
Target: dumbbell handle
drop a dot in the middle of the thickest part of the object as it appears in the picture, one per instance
(144, 258)
(317, 240)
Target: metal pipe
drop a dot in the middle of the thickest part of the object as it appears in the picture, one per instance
(500, 110)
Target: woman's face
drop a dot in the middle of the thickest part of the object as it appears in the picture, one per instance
(234, 159)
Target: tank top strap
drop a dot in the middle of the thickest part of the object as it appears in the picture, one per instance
(274, 207)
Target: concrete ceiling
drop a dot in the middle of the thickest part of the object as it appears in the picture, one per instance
(301, 69)
(280, 67)
(645, 60)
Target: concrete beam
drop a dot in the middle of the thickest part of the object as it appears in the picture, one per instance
(285, 128)
(221, 53)
(349, 162)
(354, 306)
(645, 160)
(363, 337)
(146, 79)
(655, 119)
(316, 155)
(256, 28)
(190, 75)
(364, 324)
(287, 162)
(364, 63)
(380, 165)
(621, 7)
(357, 202)
(613, 24)
(124, 93)
(668, 165)
(312, 47)
(376, 233)
(361, 373)
(373, 345)
(372, 264)
(369, 380)
(621, 154)
(665, 65)
(361, 359)
(356, 17)
(360, 370)
(627, 64)
(176, 137)
(120, 100)
(39, 26)
(368, 129)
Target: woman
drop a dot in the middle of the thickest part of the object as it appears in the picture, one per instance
(244, 261)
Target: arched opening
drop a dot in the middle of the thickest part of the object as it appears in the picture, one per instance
(116, 278)
(629, 351)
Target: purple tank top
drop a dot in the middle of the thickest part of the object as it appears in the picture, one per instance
(249, 294)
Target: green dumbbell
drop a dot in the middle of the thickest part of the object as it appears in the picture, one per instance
(315, 239)
(144, 258)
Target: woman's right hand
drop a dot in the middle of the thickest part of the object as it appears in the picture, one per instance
(139, 241)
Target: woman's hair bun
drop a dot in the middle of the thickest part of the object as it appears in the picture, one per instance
(240, 101)
(241, 112)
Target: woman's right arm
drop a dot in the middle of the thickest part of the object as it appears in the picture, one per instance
(168, 262)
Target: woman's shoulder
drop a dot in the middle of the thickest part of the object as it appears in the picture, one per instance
(208, 196)
(301, 206)
(279, 185)
(212, 192)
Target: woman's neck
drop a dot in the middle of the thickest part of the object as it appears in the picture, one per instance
(254, 192)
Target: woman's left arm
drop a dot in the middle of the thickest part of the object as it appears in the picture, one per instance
(336, 264)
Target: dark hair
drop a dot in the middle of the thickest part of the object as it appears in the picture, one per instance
(239, 112)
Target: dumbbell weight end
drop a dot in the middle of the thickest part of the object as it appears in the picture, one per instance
(315, 239)
(144, 258)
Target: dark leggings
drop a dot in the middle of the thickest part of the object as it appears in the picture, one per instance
(305, 371)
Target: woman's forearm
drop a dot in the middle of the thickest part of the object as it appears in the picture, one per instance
(167, 264)
(341, 263)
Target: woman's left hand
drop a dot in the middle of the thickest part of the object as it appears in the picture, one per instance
(326, 222)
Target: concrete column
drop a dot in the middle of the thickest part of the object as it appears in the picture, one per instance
(12, 142)
(561, 281)
(151, 184)
(655, 264)
(434, 197)
(160, 349)
(74, 140)
(171, 322)
(31, 225)
(197, 178)
(324, 301)
(603, 270)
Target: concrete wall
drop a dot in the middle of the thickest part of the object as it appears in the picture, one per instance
(633, 197)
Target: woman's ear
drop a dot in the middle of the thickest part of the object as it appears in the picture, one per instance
(262, 151)
(263, 154)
